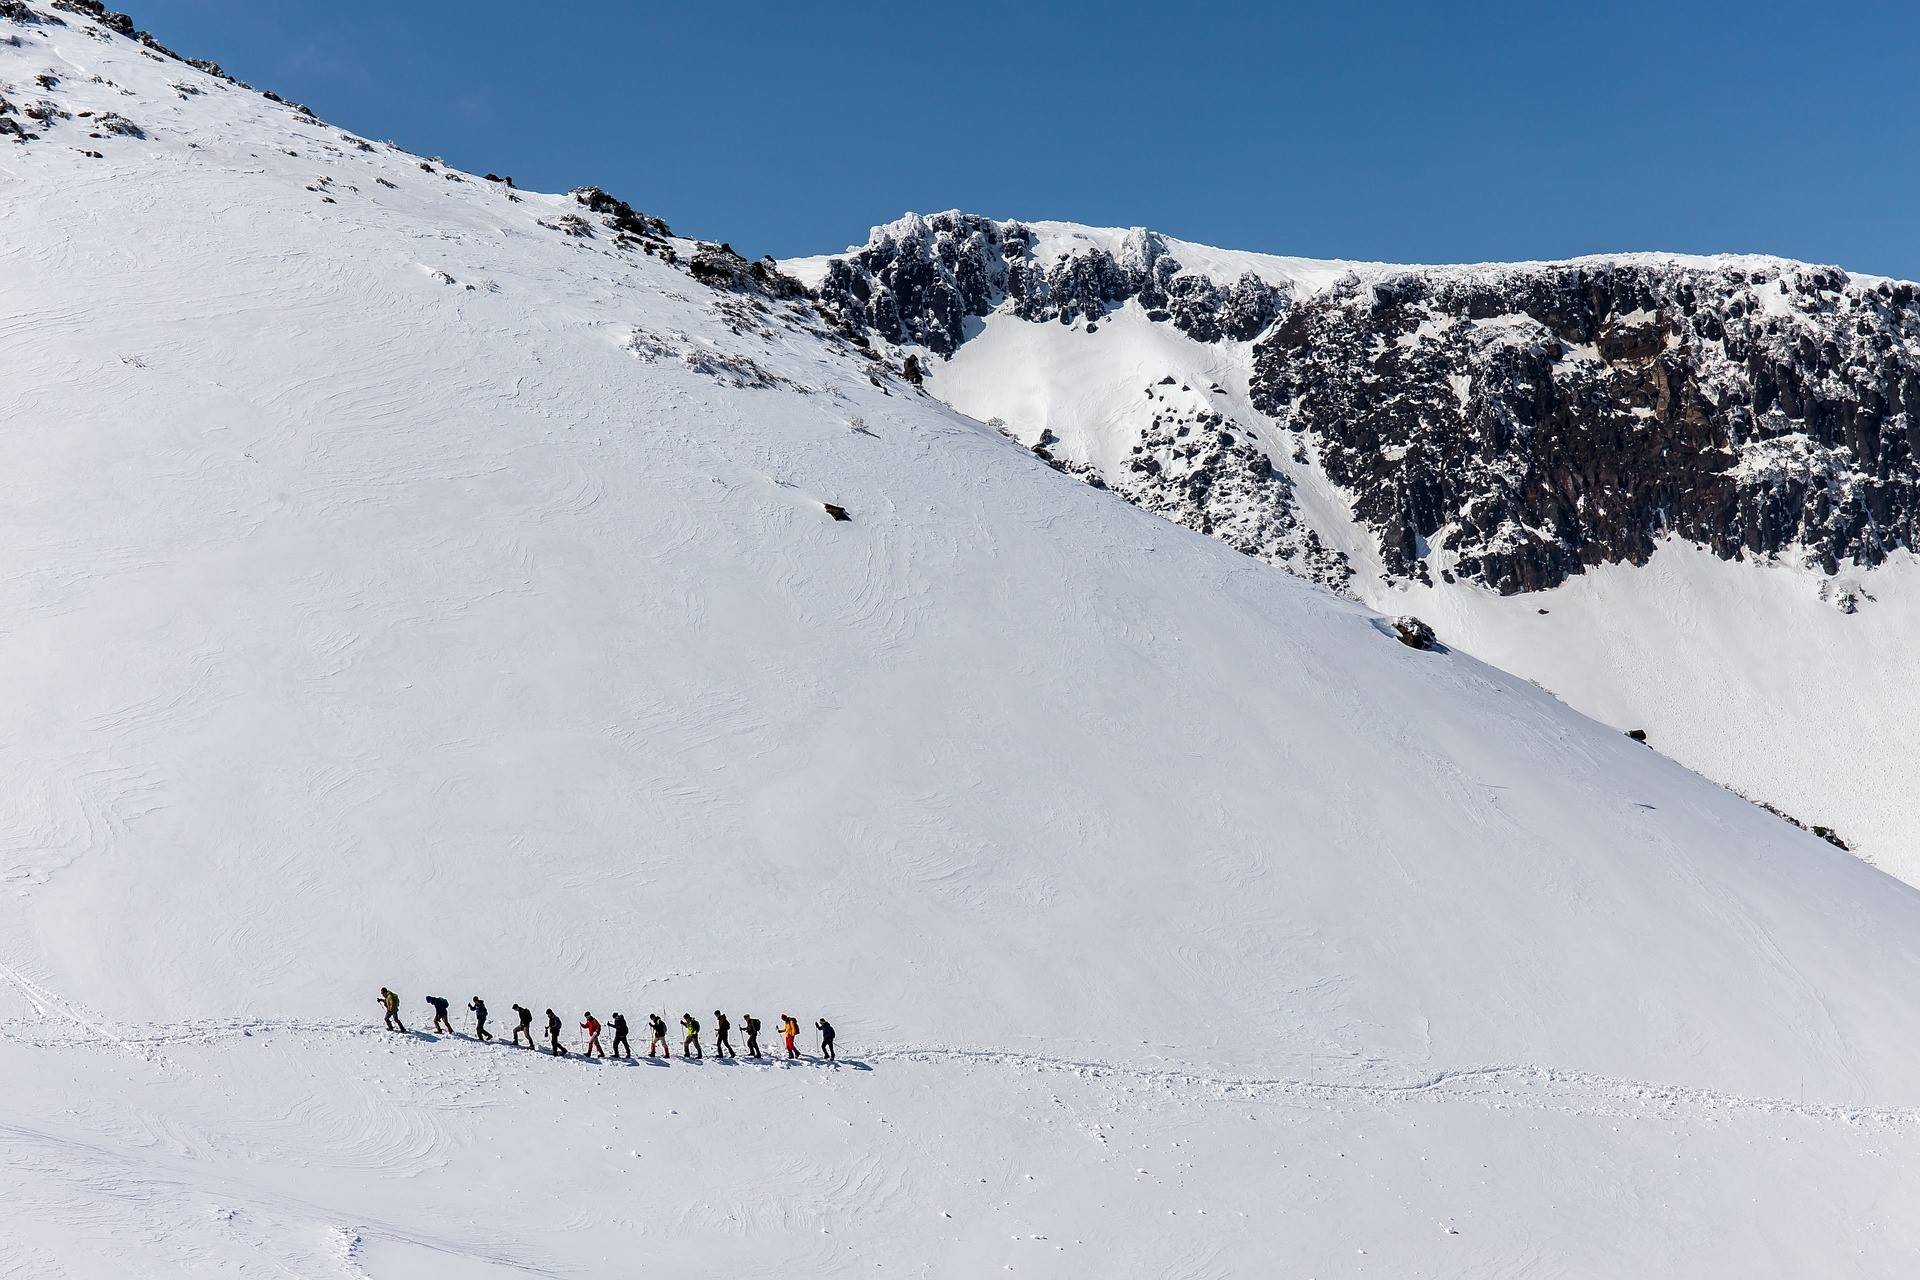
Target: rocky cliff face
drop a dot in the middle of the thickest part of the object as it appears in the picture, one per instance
(1529, 421)
(919, 279)
(1511, 425)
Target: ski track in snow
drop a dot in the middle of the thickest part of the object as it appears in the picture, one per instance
(1517, 1085)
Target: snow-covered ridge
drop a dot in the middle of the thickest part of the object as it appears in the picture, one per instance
(1055, 240)
(1509, 423)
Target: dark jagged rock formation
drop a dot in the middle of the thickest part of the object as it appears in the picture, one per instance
(106, 17)
(1510, 425)
(1202, 470)
(1531, 421)
(1828, 834)
(1413, 633)
(619, 216)
(921, 278)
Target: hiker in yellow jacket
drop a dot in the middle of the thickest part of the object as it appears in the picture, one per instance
(391, 1002)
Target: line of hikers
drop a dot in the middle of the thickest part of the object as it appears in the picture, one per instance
(689, 1027)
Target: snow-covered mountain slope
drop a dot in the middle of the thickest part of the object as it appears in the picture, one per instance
(1477, 444)
(408, 580)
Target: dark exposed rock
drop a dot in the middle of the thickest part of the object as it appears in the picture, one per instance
(1198, 469)
(1638, 735)
(1516, 424)
(99, 13)
(921, 278)
(1828, 834)
(1414, 633)
(10, 126)
(18, 11)
(719, 267)
(836, 511)
(112, 122)
(618, 215)
(1532, 421)
(910, 370)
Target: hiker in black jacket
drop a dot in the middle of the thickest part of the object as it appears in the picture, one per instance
(751, 1025)
(722, 1046)
(621, 1049)
(479, 1008)
(553, 1034)
(526, 1025)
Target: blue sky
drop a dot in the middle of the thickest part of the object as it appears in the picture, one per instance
(1402, 131)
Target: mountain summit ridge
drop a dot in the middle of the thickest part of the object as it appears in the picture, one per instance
(1508, 423)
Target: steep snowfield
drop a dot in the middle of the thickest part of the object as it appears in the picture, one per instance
(361, 627)
(1745, 671)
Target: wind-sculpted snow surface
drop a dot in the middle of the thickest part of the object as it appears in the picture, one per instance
(362, 627)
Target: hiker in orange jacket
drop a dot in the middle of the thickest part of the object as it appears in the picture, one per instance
(789, 1028)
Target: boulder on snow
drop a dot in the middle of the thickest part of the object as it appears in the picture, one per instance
(1638, 735)
(836, 511)
(114, 122)
(99, 13)
(618, 214)
(1828, 834)
(1414, 633)
(718, 266)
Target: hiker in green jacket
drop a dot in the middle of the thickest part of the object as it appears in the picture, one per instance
(690, 1045)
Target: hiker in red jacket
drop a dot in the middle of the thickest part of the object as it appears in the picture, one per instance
(592, 1027)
